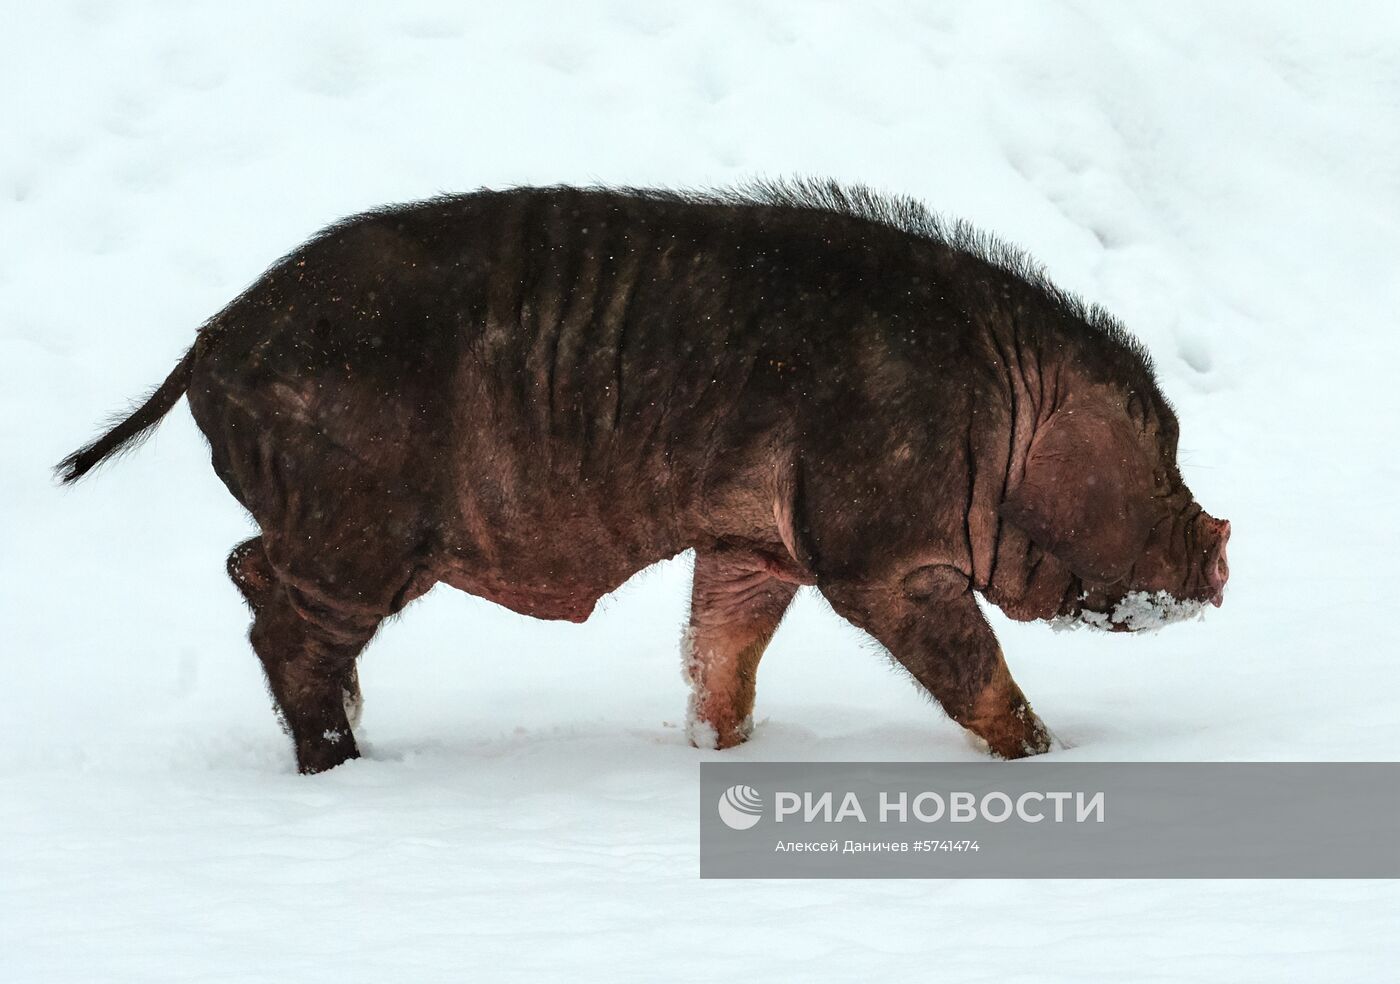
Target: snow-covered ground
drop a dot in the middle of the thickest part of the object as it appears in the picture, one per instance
(1226, 177)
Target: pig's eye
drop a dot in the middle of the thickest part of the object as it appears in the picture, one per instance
(1166, 481)
(1171, 435)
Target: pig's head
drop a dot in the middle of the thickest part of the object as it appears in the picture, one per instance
(1101, 492)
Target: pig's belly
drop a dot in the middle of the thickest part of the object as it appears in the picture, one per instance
(569, 601)
(551, 545)
(545, 587)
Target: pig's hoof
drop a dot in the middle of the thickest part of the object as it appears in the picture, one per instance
(334, 748)
(1023, 750)
(1021, 735)
(703, 734)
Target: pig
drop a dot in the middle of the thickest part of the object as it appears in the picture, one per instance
(532, 394)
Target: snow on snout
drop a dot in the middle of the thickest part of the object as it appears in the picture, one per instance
(1139, 611)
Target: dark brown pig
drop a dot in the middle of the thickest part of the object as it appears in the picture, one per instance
(533, 394)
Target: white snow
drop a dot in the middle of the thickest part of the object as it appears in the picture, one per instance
(1138, 611)
(354, 707)
(1221, 176)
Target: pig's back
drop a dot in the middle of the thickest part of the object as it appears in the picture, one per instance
(574, 384)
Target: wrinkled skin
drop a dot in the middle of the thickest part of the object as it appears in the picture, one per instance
(532, 395)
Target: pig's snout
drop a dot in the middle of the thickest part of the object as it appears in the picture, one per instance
(1217, 562)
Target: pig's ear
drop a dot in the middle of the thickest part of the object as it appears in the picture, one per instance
(1085, 496)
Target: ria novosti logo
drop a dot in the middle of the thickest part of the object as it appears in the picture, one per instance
(740, 807)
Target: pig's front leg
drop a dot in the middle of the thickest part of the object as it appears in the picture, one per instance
(736, 605)
(930, 623)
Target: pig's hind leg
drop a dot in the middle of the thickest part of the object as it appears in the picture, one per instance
(736, 605)
(931, 624)
(307, 641)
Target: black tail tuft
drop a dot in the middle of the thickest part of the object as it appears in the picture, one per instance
(131, 431)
